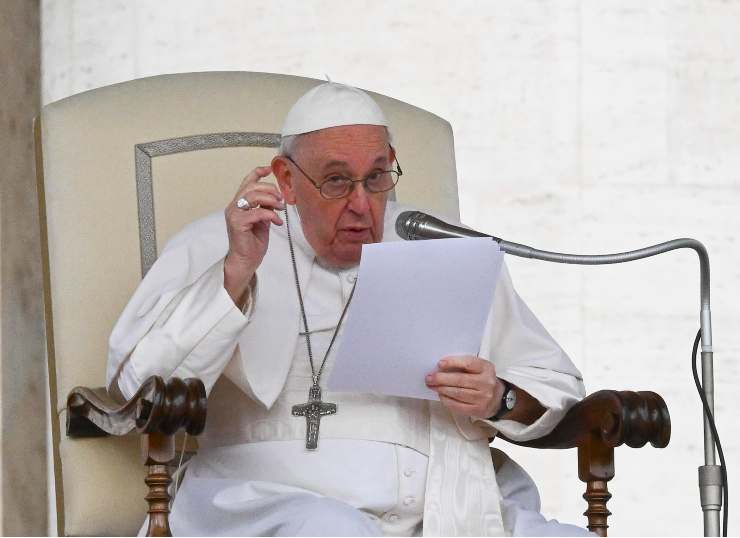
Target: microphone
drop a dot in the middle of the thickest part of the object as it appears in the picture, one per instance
(413, 225)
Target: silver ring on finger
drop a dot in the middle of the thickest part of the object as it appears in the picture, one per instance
(243, 203)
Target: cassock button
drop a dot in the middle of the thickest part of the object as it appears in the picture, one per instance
(408, 473)
(408, 501)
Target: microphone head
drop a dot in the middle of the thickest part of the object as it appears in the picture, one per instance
(407, 224)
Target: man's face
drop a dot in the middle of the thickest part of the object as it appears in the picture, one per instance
(337, 229)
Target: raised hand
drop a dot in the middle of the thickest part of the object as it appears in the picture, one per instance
(248, 228)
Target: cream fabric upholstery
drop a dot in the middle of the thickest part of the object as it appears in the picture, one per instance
(89, 179)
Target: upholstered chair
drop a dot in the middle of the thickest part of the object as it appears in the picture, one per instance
(121, 169)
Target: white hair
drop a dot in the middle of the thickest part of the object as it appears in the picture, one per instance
(288, 143)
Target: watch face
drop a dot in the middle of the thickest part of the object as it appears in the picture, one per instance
(510, 400)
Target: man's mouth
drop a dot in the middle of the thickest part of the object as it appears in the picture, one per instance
(355, 233)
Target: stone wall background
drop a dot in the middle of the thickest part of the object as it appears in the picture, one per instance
(580, 126)
(22, 370)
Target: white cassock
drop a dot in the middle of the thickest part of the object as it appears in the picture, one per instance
(384, 465)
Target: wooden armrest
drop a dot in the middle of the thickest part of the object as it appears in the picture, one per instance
(157, 407)
(596, 425)
(613, 418)
(157, 411)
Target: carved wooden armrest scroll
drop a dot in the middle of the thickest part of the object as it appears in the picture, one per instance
(596, 425)
(158, 410)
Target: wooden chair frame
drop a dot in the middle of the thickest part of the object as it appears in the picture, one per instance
(595, 426)
(157, 411)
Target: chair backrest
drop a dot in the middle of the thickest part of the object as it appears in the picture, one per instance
(122, 168)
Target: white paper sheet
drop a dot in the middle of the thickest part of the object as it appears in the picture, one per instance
(415, 302)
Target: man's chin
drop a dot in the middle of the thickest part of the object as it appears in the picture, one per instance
(344, 257)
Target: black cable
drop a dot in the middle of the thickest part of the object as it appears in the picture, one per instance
(715, 435)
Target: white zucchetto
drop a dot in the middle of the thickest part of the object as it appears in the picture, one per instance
(331, 105)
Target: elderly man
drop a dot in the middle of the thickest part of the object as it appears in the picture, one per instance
(252, 301)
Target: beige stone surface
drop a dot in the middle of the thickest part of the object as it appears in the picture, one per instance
(1, 370)
(580, 126)
(24, 399)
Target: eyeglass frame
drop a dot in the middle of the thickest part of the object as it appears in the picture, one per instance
(352, 181)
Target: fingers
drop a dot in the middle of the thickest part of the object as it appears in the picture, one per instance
(457, 379)
(468, 389)
(251, 183)
(467, 363)
(259, 187)
(475, 410)
(254, 176)
(245, 220)
(260, 196)
(458, 406)
(466, 384)
(462, 395)
(262, 199)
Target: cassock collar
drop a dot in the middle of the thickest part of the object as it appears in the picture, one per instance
(296, 232)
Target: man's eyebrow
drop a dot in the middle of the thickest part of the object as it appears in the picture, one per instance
(339, 164)
(334, 164)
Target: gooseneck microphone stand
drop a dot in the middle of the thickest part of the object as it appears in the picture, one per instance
(417, 225)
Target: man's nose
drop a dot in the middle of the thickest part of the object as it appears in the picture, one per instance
(359, 200)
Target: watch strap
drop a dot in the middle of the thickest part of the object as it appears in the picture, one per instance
(502, 410)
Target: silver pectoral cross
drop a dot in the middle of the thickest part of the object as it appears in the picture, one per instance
(313, 410)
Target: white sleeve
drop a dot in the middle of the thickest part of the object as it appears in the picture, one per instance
(527, 356)
(194, 336)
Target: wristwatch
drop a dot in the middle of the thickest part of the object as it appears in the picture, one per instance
(508, 401)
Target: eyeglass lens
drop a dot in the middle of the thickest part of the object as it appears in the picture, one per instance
(338, 186)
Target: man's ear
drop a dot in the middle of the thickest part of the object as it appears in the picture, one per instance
(284, 177)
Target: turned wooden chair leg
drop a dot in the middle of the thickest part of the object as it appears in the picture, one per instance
(157, 451)
(596, 468)
(597, 495)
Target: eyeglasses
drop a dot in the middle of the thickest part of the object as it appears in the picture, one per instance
(338, 186)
